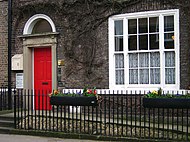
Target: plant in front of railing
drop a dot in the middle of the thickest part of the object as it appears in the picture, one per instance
(156, 99)
(88, 97)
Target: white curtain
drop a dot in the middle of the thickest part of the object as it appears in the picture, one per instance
(144, 76)
(155, 68)
(144, 60)
(133, 68)
(119, 68)
(170, 67)
(144, 67)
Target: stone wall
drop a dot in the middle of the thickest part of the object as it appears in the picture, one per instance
(83, 35)
(3, 43)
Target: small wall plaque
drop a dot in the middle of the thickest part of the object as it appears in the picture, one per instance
(60, 62)
(19, 80)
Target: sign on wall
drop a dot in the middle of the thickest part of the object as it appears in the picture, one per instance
(19, 80)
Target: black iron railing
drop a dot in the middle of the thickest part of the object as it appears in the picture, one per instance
(4, 104)
(116, 116)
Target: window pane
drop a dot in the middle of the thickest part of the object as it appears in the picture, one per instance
(169, 59)
(119, 27)
(144, 60)
(119, 61)
(133, 60)
(144, 76)
(42, 26)
(119, 43)
(155, 59)
(154, 41)
(143, 26)
(170, 76)
(153, 24)
(143, 42)
(168, 23)
(119, 77)
(155, 76)
(133, 76)
(132, 26)
(170, 67)
(132, 43)
(169, 40)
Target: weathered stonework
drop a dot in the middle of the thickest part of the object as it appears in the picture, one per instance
(83, 35)
(3, 43)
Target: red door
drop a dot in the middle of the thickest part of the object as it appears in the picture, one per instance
(42, 77)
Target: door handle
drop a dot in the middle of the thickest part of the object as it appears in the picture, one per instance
(44, 83)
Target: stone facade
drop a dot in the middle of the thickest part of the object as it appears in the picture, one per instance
(83, 36)
(3, 43)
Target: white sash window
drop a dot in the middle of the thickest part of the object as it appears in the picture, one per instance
(144, 50)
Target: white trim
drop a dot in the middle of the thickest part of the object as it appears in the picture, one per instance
(128, 91)
(33, 20)
(33, 78)
(145, 14)
(124, 17)
(177, 43)
(125, 42)
(110, 50)
(161, 43)
(32, 68)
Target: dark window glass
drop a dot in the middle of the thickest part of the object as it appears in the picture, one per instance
(42, 26)
(154, 41)
(119, 27)
(153, 24)
(168, 23)
(143, 42)
(119, 43)
(169, 40)
(132, 43)
(132, 26)
(143, 26)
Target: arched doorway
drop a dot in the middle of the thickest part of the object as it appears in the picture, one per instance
(39, 57)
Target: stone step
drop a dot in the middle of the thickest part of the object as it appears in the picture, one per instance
(6, 130)
(7, 123)
(8, 116)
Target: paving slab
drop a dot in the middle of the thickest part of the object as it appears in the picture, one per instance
(24, 138)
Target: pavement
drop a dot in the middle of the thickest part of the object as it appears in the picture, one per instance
(24, 138)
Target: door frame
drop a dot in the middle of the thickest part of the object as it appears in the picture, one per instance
(38, 41)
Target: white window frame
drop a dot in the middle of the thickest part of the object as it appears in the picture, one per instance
(124, 17)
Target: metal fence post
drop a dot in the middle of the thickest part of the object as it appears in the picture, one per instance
(15, 108)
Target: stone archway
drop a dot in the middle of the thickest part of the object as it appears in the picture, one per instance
(33, 20)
